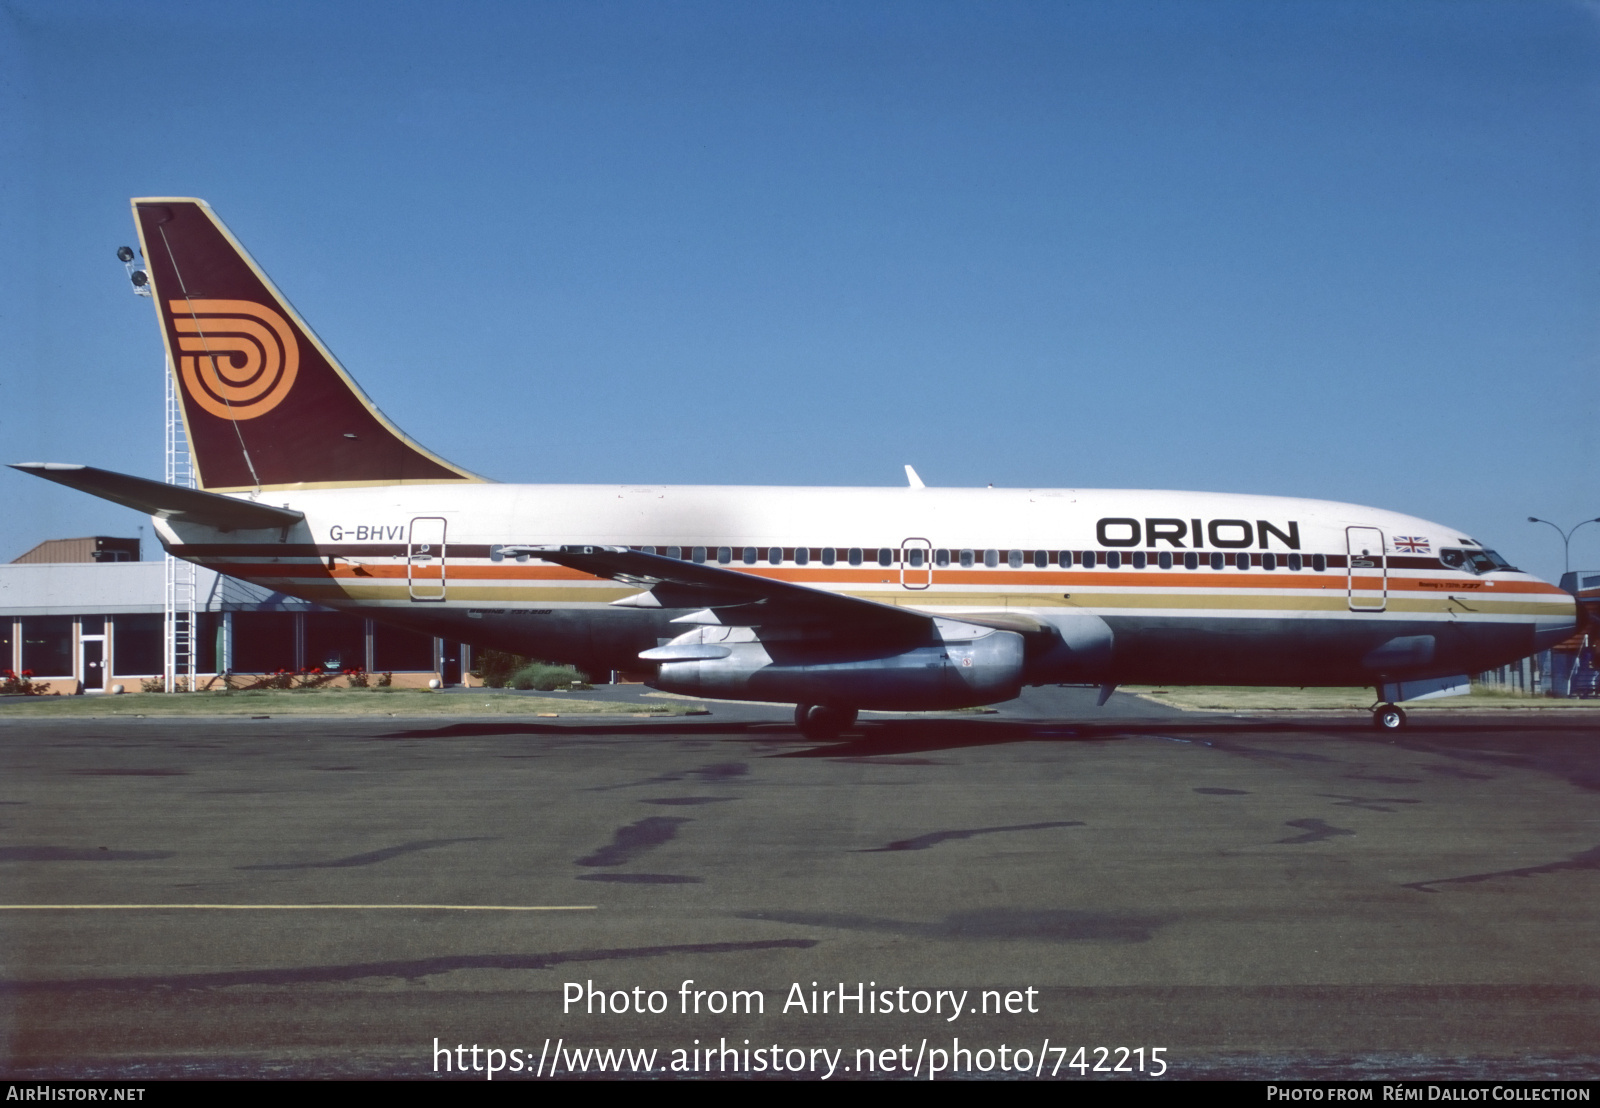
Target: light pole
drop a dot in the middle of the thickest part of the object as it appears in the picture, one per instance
(1566, 540)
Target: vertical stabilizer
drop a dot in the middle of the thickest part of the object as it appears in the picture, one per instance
(265, 404)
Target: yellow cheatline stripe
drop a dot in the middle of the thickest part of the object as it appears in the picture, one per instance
(301, 907)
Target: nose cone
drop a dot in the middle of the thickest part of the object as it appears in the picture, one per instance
(1557, 626)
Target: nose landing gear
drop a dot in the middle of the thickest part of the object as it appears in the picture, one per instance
(1387, 717)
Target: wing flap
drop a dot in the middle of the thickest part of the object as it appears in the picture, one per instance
(784, 600)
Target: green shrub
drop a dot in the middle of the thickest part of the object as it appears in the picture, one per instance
(496, 667)
(544, 677)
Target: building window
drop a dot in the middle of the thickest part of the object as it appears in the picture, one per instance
(47, 645)
(263, 642)
(136, 646)
(335, 641)
(395, 650)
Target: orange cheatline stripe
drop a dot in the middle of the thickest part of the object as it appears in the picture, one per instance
(1129, 578)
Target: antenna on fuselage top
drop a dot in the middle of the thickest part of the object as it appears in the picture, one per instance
(913, 480)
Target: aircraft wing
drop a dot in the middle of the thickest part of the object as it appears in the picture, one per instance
(756, 598)
(156, 498)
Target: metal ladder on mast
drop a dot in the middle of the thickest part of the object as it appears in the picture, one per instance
(181, 625)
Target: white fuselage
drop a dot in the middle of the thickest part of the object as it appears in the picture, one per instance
(1195, 587)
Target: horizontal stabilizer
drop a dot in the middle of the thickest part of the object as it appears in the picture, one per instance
(167, 501)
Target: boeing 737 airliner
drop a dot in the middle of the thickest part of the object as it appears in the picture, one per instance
(835, 599)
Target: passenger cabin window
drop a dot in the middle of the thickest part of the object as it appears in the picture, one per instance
(1217, 560)
(699, 554)
(855, 555)
(724, 555)
(1242, 560)
(991, 558)
(914, 557)
(1165, 558)
(829, 555)
(885, 556)
(775, 555)
(1066, 559)
(1041, 559)
(647, 549)
(966, 559)
(1114, 560)
(1088, 559)
(1296, 563)
(675, 552)
(802, 555)
(1191, 560)
(1014, 559)
(1269, 560)
(941, 557)
(749, 555)
(1319, 563)
(1139, 559)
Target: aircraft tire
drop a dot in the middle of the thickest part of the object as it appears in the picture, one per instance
(820, 721)
(1387, 717)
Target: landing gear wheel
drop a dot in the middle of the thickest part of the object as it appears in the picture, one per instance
(1387, 717)
(820, 721)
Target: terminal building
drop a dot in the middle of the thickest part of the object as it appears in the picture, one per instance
(84, 615)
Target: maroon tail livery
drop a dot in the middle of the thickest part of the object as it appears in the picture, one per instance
(265, 404)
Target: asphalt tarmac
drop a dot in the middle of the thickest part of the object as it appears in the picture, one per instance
(1218, 896)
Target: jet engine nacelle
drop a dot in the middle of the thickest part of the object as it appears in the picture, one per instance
(964, 667)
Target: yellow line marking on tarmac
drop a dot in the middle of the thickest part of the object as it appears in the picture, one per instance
(302, 907)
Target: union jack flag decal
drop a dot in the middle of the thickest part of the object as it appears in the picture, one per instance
(1410, 544)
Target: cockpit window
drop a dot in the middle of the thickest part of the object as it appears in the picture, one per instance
(1481, 560)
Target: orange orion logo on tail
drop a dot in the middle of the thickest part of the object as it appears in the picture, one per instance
(239, 358)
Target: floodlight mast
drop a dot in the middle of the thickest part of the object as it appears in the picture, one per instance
(180, 623)
(1566, 539)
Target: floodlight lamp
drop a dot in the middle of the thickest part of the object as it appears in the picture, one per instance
(140, 278)
(124, 253)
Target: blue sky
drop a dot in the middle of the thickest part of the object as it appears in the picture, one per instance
(1338, 250)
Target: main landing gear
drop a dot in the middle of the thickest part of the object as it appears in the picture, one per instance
(1387, 717)
(819, 721)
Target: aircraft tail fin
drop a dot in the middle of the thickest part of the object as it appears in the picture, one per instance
(265, 404)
